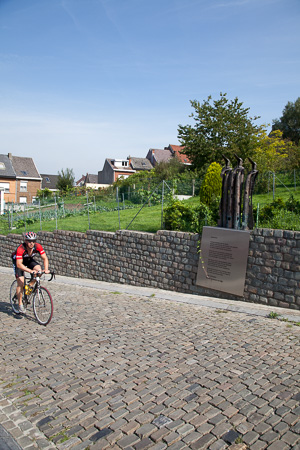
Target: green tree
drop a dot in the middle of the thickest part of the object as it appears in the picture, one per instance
(221, 127)
(211, 188)
(289, 122)
(65, 180)
(167, 170)
(272, 152)
(44, 193)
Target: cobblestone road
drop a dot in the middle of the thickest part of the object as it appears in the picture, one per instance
(114, 370)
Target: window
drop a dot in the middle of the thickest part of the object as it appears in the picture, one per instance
(47, 179)
(23, 186)
(124, 163)
(23, 200)
(24, 173)
(2, 166)
(4, 186)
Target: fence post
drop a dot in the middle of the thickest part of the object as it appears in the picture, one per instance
(55, 211)
(40, 214)
(88, 208)
(118, 208)
(162, 206)
(26, 217)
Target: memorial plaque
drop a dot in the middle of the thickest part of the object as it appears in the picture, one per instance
(223, 260)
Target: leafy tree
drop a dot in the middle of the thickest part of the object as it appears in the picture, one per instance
(65, 180)
(221, 127)
(167, 170)
(289, 122)
(44, 193)
(271, 153)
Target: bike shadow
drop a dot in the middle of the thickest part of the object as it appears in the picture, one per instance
(5, 308)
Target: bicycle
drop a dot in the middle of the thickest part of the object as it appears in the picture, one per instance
(40, 296)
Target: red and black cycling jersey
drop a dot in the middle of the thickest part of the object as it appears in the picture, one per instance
(22, 253)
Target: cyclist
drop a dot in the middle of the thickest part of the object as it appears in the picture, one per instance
(23, 261)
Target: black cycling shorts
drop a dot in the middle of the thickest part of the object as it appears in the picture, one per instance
(31, 263)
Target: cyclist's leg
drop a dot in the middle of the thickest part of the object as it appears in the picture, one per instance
(34, 265)
(19, 290)
(19, 274)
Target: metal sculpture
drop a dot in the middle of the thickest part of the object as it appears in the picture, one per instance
(236, 210)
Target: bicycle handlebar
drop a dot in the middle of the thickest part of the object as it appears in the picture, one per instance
(40, 272)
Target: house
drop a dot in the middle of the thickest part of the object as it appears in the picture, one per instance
(19, 178)
(139, 164)
(81, 181)
(7, 179)
(91, 182)
(176, 151)
(156, 156)
(114, 169)
(117, 168)
(49, 182)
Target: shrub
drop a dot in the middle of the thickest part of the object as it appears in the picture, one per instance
(212, 184)
(179, 216)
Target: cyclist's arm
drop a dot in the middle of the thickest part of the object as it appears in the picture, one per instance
(20, 265)
(45, 262)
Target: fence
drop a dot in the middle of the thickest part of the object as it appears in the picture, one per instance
(140, 196)
(94, 202)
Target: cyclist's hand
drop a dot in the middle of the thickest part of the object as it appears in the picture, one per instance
(47, 271)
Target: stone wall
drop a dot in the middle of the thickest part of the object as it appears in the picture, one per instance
(169, 260)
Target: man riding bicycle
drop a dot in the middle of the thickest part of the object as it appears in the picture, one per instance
(23, 261)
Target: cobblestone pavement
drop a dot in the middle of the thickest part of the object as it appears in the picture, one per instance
(115, 370)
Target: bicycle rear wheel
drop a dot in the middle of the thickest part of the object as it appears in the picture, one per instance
(42, 306)
(13, 297)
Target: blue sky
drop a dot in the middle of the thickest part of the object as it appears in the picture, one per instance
(85, 80)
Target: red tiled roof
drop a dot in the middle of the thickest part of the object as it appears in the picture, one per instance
(182, 157)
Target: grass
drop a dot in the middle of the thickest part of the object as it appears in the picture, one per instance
(148, 220)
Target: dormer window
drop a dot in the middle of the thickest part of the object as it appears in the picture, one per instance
(121, 163)
(2, 166)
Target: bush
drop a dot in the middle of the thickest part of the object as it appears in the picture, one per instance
(212, 184)
(280, 214)
(179, 216)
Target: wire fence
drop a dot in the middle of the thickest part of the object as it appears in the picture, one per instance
(91, 203)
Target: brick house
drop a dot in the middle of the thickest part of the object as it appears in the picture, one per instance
(114, 169)
(117, 168)
(19, 178)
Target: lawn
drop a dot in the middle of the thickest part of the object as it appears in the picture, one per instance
(147, 219)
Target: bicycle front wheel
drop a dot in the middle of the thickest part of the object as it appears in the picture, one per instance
(13, 297)
(42, 306)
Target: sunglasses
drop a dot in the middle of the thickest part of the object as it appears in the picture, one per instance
(28, 242)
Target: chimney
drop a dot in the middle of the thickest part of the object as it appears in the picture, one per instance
(10, 156)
